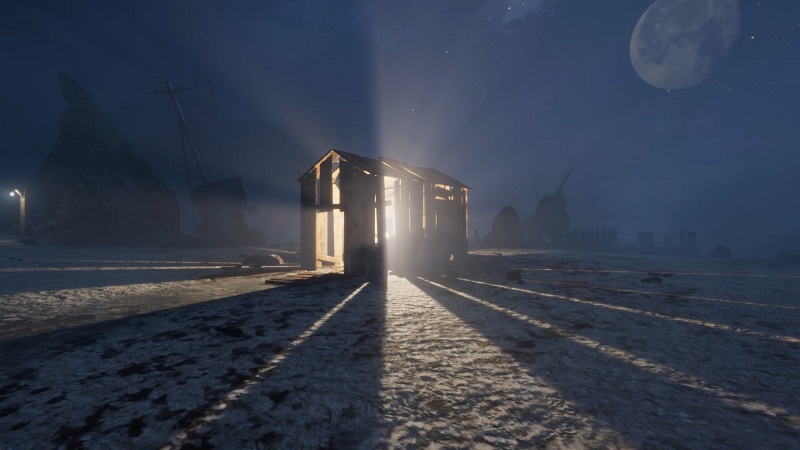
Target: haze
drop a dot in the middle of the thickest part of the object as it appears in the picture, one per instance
(480, 90)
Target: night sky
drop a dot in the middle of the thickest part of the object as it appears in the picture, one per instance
(480, 90)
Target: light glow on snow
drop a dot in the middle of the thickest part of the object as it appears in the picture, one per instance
(674, 376)
(702, 323)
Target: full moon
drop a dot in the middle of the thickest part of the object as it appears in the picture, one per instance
(679, 43)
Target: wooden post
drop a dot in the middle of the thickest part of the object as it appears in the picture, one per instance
(348, 206)
(380, 216)
(461, 234)
(401, 211)
(429, 225)
(416, 234)
(308, 218)
(360, 224)
(321, 233)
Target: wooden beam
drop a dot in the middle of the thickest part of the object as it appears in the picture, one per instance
(321, 233)
(347, 202)
(308, 225)
(380, 214)
(326, 258)
(429, 210)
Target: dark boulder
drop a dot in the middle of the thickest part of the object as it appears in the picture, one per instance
(514, 275)
(256, 261)
(652, 280)
(93, 188)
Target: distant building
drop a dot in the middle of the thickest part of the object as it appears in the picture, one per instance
(366, 215)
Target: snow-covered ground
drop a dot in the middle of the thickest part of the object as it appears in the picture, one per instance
(127, 348)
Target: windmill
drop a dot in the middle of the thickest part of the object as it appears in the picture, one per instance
(220, 205)
(550, 221)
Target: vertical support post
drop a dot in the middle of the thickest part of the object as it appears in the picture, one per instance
(429, 216)
(429, 213)
(321, 235)
(401, 211)
(415, 203)
(461, 234)
(349, 208)
(360, 224)
(416, 234)
(380, 217)
(308, 221)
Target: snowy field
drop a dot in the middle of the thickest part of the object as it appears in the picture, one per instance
(111, 348)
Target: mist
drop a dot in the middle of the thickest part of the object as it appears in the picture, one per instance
(319, 224)
(479, 90)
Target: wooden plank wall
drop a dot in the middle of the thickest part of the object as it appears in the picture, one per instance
(429, 231)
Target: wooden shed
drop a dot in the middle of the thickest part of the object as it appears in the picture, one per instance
(366, 215)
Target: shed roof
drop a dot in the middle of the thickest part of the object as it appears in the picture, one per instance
(393, 168)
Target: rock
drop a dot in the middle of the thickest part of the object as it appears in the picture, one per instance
(652, 280)
(230, 330)
(257, 261)
(93, 188)
(253, 261)
(721, 252)
(514, 275)
(290, 257)
(658, 274)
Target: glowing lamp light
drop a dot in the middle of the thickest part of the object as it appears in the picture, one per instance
(21, 195)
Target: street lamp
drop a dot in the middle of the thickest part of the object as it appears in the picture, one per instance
(21, 194)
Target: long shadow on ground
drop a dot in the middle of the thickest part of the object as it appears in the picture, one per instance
(137, 381)
(322, 392)
(653, 408)
(645, 326)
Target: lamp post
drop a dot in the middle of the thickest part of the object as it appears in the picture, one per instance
(21, 194)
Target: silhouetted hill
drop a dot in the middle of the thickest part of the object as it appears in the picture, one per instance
(93, 187)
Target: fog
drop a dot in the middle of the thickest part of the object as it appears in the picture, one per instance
(480, 90)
